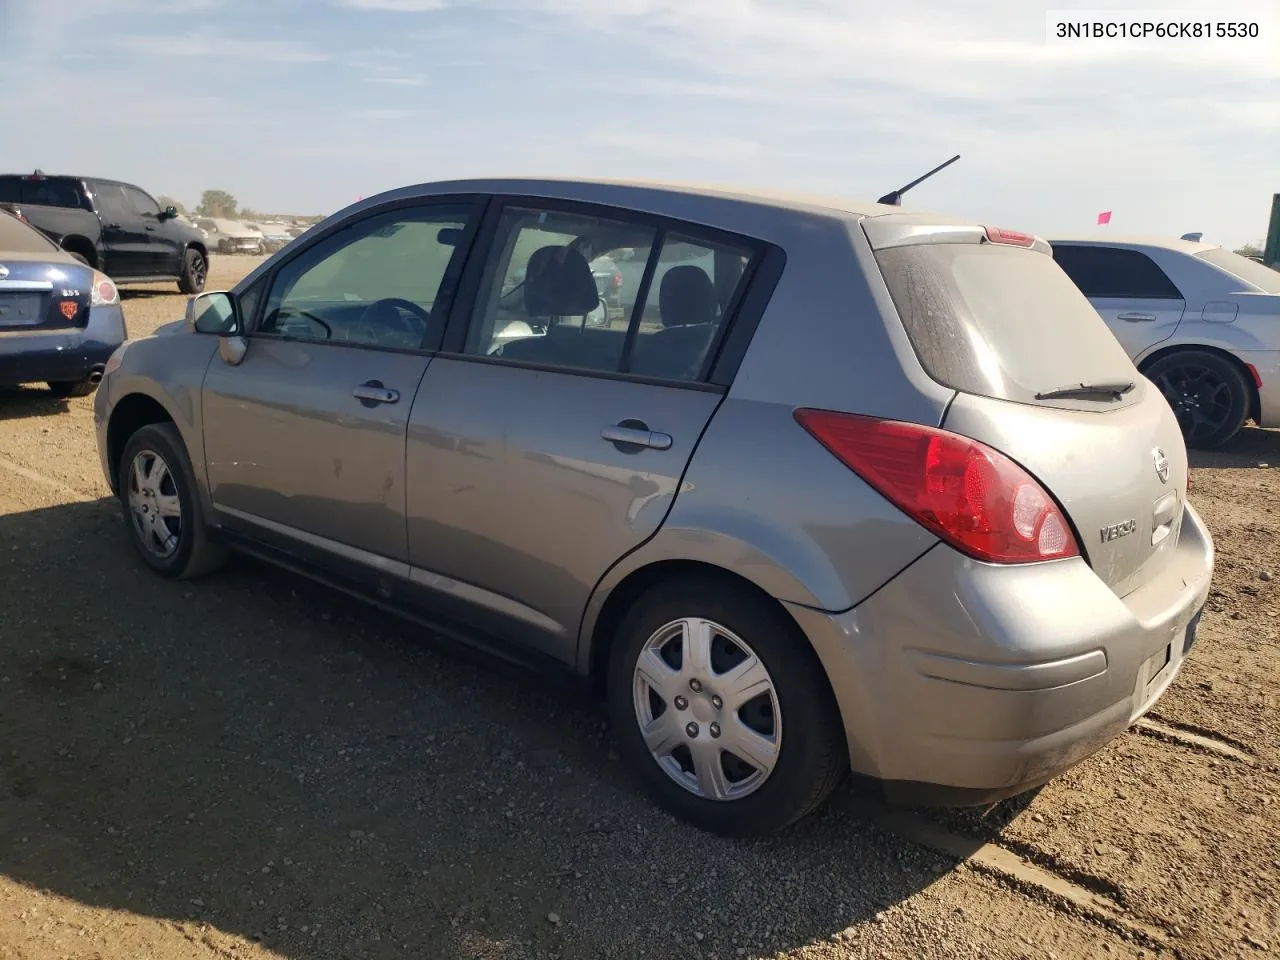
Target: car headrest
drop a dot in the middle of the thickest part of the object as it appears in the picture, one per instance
(558, 283)
(687, 297)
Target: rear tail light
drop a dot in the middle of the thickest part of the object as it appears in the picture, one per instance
(617, 279)
(104, 292)
(1013, 237)
(973, 497)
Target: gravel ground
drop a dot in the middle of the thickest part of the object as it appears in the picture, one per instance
(250, 766)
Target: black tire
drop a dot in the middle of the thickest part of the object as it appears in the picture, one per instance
(73, 388)
(1208, 393)
(812, 756)
(195, 271)
(195, 553)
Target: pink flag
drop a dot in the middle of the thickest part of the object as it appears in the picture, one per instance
(1104, 217)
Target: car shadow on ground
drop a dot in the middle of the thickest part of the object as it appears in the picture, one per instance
(1252, 447)
(23, 403)
(144, 293)
(258, 753)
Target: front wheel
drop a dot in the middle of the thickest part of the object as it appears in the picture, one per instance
(1208, 394)
(721, 707)
(195, 271)
(162, 510)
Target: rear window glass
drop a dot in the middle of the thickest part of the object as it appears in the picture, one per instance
(49, 193)
(17, 237)
(1250, 271)
(999, 321)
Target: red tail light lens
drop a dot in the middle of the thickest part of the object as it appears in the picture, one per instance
(973, 497)
(617, 279)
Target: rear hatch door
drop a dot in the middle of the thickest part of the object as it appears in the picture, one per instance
(1040, 377)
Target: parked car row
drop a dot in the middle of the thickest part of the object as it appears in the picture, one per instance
(853, 487)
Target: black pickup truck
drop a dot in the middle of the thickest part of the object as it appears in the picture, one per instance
(112, 226)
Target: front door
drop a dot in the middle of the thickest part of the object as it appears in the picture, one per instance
(544, 447)
(1138, 301)
(304, 439)
(124, 238)
(162, 253)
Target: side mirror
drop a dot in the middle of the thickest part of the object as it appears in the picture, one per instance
(213, 312)
(169, 213)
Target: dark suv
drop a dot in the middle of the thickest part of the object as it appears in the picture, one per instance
(111, 226)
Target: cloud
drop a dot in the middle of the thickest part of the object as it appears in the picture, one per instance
(395, 6)
(213, 46)
(666, 144)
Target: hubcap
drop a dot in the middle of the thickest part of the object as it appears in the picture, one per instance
(707, 709)
(1200, 398)
(154, 506)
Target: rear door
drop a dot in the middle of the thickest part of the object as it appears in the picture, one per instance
(543, 447)
(1006, 328)
(1138, 301)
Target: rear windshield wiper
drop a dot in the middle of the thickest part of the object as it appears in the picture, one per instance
(1088, 391)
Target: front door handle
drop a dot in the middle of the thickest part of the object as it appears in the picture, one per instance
(1137, 317)
(373, 392)
(636, 433)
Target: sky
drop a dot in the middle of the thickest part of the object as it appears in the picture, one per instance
(301, 106)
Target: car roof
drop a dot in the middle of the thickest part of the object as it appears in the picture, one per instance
(1189, 247)
(671, 198)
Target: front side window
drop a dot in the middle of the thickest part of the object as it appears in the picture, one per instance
(568, 290)
(142, 204)
(111, 203)
(380, 282)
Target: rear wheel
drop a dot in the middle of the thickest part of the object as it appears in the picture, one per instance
(721, 708)
(1208, 393)
(195, 270)
(161, 507)
(73, 388)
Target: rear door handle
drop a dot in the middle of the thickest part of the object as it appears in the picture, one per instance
(636, 433)
(1137, 317)
(374, 392)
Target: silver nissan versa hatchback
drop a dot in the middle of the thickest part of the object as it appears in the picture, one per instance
(832, 486)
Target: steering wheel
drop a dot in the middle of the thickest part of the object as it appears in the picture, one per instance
(306, 315)
(401, 332)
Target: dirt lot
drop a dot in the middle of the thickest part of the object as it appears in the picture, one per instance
(251, 767)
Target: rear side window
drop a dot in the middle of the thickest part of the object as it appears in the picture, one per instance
(46, 192)
(999, 321)
(1112, 272)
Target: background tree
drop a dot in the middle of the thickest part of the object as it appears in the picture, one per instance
(1249, 250)
(217, 203)
(166, 202)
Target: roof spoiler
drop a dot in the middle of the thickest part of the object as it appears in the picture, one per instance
(894, 197)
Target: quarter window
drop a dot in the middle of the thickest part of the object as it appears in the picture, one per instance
(1113, 272)
(380, 283)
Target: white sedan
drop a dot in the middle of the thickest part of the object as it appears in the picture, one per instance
(1199, 321)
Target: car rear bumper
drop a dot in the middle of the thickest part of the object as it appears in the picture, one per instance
(962, 682)
(1267, 365)
(34, 356)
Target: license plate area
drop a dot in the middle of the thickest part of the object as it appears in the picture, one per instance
(21, 309)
